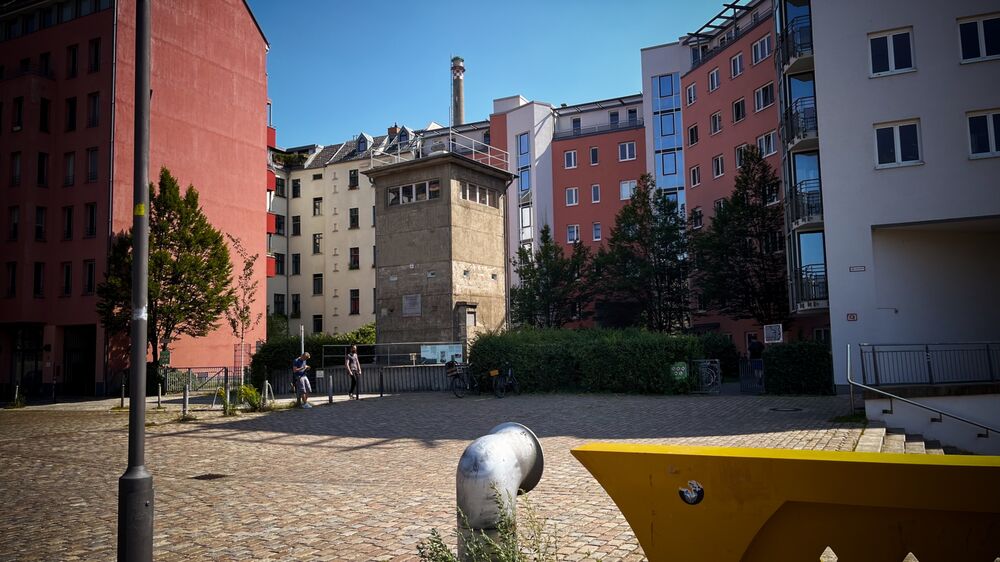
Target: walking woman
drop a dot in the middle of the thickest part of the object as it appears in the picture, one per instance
(353, 371)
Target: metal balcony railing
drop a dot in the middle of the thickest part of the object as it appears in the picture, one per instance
(809, 284)
(796, 40)
(800, 120)
(806, 203)
(934, 363)
(594, 129)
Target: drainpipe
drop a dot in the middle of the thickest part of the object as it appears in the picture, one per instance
(508, 460)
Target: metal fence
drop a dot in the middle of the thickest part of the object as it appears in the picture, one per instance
(708, 375)
(751, 376)
(940, 363)
(375, 379)
(395, 354)
(200, 379)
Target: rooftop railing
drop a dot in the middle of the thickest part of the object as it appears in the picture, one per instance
(594, 129)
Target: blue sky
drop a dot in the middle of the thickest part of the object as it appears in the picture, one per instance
(338, 67)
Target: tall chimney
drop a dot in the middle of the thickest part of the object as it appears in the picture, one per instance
(457, 91)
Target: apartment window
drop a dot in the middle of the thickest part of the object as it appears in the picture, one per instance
(740, 152)
(718, 166)
(317, 206)
(596, 233)
(317, 177)
(572, 233)
(576, 125)
(89, 276)
(374, 256)
(633, 114)
(695, 176)
(569, 159)
(296, 189)
(692, 135)
(279, 225)
(626, 151)
(11, 279)
(523, 162)
(94, 55)
(980, 38)
(90, 220)
(696, 218)
(279, 187)
(66, 286)
(317, 283)
(69, 168)
(691, 94)
(766, 144)
(613, 118)
(352, 179)
(67, 213)
(38, 280)
(279, 264)
(891, 52)
(984, 134)
(595, 193)
(15, 168)
(354, 258)
(715, 122)
(317, 245)
(296, 225)
(763, 97)
(362, 144)
(594, 156)
(71, 56)
(626, 189)
(572, 196)
(713, 80)
(92, 164)
(44, 109)
(736, 65)
(761, 49)
(279, 303)
(93, 109)
(739, 110)
(668, 163)
(296, 305)
(897, 144)
(41, 217)
(296, 264)
(317, 323)
(42, 175)
(719, 205)
(355, 301)
(13, 222)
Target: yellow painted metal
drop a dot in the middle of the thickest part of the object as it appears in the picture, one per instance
(773, 505)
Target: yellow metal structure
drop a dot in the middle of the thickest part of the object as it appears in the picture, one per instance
(723, 504)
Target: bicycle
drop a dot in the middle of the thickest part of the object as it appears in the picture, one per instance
(502, 382)
(461, 381)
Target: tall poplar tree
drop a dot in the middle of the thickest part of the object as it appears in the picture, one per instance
(552, 289)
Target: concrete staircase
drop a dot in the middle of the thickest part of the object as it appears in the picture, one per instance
(876, 438)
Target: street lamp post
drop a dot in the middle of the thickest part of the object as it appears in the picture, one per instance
(135, 486)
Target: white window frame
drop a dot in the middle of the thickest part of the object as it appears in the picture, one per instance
(767, 144)
(572, 228)
(757, 48)
(593, 161)
(895, 125)
(596, 233)
(758, 96)
(693, 128)
(691, 94)
(993, 135)
(572, 196)
(713, 79)
(736, 66)
(744, 100)
(739, 150)
(596, 191)
(697, 212)
(718, 166)
(629, 148)
(891, 50)
(981, 36)
(630, 184)
(569, 159)
(695, 176)
(712, 120)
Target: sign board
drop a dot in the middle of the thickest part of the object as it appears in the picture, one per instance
(319, 374)
(679, 371)
(440, 353)
(411, 305)
(773, 333)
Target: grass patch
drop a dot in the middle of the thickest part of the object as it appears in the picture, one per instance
(850, 418)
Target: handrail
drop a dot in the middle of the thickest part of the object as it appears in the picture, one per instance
(891, 396)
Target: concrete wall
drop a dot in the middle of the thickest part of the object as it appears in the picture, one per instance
(983, 408)
(945, 185)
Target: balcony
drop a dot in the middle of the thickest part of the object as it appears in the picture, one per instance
(272, 223)
(272, 137)
(799, 128)
(597, 129)
(795, 46)
(272, 267)
(809, 288)
(805, 205)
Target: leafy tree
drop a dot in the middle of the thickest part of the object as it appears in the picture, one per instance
(643, 271)
(190, 274)
(240, 315)
(550, 293)
(277, 327)
(740, 265)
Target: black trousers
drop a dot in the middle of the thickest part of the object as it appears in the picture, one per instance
(354, 384)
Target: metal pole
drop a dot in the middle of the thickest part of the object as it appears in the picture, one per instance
(329, 386)
(135, 486)
(184, 407)
(122, 406)
(302, 339)
(225, 379)
(159, 396)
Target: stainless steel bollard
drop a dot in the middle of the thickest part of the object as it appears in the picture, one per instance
(508, 461)
(122, 405)
(159, 396)
(184, 406)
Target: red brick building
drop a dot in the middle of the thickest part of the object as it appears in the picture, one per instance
(66, 129)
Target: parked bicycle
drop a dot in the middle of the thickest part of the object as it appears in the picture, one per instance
(462, 381)
(503, 381)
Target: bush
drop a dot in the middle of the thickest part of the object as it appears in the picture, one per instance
(279, 353)
(798, 368)
(595, 360)
(250, 396)
(717, 346)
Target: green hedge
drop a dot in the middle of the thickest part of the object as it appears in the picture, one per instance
(798, 368)
(593, 360)
(717, 346)
(278, 354)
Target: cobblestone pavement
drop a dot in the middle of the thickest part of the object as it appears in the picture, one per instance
(361, 480)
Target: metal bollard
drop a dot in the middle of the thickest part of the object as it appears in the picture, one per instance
(507, 461)
(225, 374)
(329, 388)
(184, 405)
(159, 396)
(263, 394)
(17, 390)
(122, 406)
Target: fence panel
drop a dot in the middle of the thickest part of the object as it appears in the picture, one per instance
(751, 376)
(374, 379)
(885, 365)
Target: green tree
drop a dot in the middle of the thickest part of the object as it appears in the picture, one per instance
(643, 271)
(549, 293)
(190, 274)
(740, 263)
(240, 314)
(277, 327)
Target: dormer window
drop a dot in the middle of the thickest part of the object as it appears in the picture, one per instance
(362, 143)
(404, 136)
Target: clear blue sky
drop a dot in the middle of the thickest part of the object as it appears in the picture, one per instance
(338, 67)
